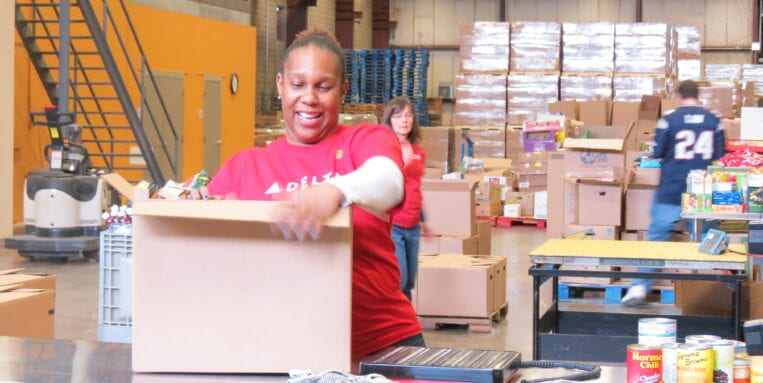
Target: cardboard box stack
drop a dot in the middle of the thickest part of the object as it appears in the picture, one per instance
(588, 51)
(645, 60)
(484, 46)
(488, 141)
(456, 285)
(754, 73)
(27, 304)
(480, 87)
(723, 72)
(480, 99)
(689, 50)
(535, 62)
(438, 143)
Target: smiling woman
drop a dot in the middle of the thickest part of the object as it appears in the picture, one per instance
(320, 166)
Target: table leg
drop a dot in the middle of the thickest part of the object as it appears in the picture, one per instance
(536, 310)
(696, 234)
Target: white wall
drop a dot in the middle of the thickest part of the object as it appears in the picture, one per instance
(7, 49)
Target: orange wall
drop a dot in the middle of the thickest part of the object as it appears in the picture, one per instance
(172, 42)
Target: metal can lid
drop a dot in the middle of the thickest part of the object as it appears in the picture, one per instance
(643, 347)
(695, 346)
(753, 322)
(670, 345)
(741, 362)
(657, 320)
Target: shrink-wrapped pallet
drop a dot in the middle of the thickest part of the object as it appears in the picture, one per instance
(689, 42)
(644, 48)
(723, 72)
(754, 72)
(690, 69)
(484, 46)
(480, 99)
(632, 87)
(588, 47)
(529, 94)
(585, 86)
(535, 46)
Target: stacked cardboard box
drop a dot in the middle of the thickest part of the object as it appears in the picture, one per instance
(723, 72)
(535, 46)
(480, 99)
(754, 73)
(645, 60)
(588, 51)
(450, 208)
(481, 82)
(438, 143)
(27, 304)
(689, 52)
(529, 94)
(456, 285)
(484, 46)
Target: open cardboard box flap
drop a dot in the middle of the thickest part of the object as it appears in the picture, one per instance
(447, 185)
(124, 188)
(227, 210)
(608, 138)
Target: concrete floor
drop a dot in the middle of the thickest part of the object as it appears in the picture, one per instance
(77, 296)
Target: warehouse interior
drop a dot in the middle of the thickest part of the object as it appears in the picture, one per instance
(513, 87)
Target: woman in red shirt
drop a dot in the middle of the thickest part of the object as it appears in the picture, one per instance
(320, 165)
(407, 221)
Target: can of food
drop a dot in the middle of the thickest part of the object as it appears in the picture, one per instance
(694, 363)
(695, 339)
(643, 364)
(656, 331)
(741, 370)
(723, 366)
(756, 368)
(669, 359)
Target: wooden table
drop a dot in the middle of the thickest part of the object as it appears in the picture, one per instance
(603, 335)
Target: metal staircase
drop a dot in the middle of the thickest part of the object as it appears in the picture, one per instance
(93, 68)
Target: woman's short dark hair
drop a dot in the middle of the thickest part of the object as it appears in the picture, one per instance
(396, 105)
(322, 39)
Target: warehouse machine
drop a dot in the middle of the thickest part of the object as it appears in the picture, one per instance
(63, 203)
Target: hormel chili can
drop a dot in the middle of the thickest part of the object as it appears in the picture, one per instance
(643, 364)
(695, 363)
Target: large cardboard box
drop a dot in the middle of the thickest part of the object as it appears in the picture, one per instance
(457, 285)
(624, 112)
(450, 207)
(459, 245)
(555, 204)
(569, 109)
(484, 233)
(703, 298)
(599, 203)
(217, 291)
(587, 280)
(27, 280)
(594, 112)
(638, 198)
(27, 313)
(599, 156)
(439, 144)
(429, 246)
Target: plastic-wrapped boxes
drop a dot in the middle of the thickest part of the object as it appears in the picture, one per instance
(588, 47)
(480, 99)
(484, 46)
(535, 46)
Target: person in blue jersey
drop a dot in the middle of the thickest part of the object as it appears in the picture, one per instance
(691, 137)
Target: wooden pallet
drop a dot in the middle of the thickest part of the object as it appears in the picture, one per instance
(470, 324)
(511, 221)
(611, 293)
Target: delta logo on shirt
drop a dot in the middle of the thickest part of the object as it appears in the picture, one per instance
(302, 183)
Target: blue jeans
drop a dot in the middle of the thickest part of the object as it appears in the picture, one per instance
(665, 216)
(407, 252)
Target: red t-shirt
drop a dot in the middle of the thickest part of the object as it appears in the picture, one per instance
(381, 314)
(409, 214)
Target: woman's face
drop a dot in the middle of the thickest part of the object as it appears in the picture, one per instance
(311, 91)
(402, 122)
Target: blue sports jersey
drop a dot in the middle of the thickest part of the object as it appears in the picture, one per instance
(691, 137)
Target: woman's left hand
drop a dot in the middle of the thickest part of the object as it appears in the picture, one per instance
(309, 209)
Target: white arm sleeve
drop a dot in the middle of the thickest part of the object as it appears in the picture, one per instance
(377, 185)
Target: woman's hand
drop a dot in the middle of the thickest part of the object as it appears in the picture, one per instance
(308, 210)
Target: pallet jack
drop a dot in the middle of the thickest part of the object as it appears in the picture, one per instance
(64, 202)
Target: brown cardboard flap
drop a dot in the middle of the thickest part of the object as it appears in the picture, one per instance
(226, 210)
(11, 271)
(120, 184)
(7, 288)
(447, 185)
(614, 144)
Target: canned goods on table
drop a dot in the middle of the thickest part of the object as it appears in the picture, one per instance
(643, 364)
(656, 331)
(695, 363)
